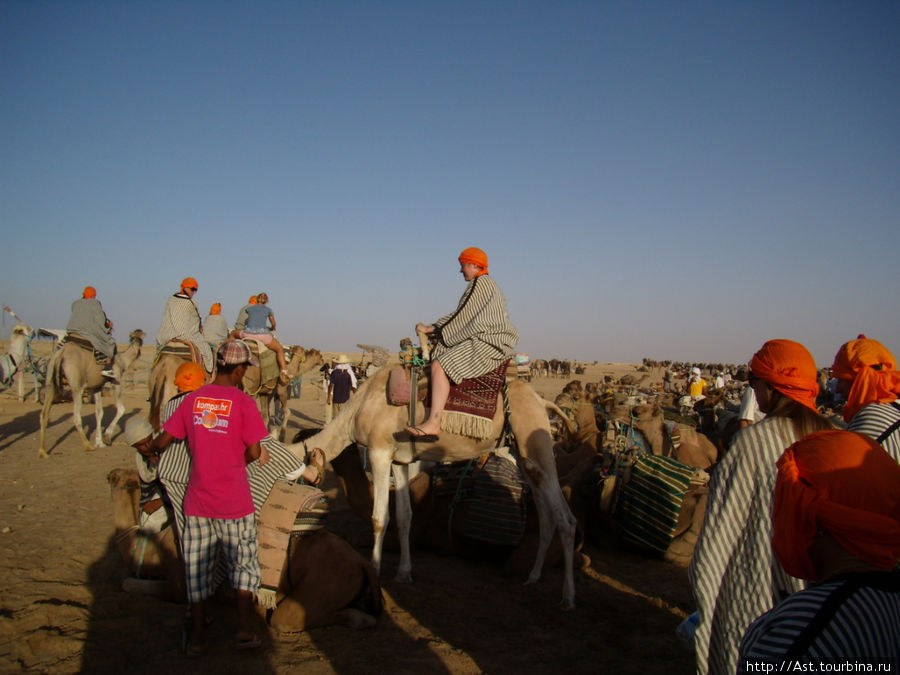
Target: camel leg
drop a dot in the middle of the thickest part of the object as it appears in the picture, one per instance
(49, 395)
(404, 519)
(76, 418)
(113, 427)
(98, 419)
(554, 515)
(285, 413)
(381, 482)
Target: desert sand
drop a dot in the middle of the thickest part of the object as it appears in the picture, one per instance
(64, 610)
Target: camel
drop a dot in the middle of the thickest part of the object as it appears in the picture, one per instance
(695, 449)
(370, 420)
(301, 361)
(325, 581)
(82, 372)
(162, 376)
(18, 362)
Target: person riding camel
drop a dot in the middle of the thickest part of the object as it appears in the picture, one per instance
(90, 322)
(241, 320)
(472, 341)
(256, 329)
(181, 320)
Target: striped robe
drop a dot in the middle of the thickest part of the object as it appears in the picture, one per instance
(175, 469)
(478, 336)
(865, 628)
(182, 320)
(734, 573)
(875, 420)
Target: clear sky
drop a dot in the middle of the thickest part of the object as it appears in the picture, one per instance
(677, 180)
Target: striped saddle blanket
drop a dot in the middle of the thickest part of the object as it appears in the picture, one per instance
(648, 508)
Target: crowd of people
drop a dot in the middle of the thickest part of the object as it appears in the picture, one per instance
(800, 546)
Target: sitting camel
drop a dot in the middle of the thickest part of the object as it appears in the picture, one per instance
(370, 420)
(325, 580)
(74, 363)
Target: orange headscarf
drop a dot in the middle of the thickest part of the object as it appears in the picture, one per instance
(189, 282)
(89, 292)
(789, 368)
(475, 256)
(253, 300)
(216, 308)
(845, 483)
(854, 361)
(189, 376)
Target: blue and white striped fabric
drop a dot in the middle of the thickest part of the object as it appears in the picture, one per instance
(875, 419)
(734, 572)
(865, 628)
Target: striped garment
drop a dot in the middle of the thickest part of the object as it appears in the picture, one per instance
(181, 320)
(880, 421)
(864, 628)
(478, 336)
(734, 573)
(175, 469)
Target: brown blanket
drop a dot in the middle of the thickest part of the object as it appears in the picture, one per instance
(472, 404)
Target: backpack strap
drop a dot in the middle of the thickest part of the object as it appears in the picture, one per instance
(891, 429)
(885, 581)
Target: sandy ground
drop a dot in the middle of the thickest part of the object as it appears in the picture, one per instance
(63, 609)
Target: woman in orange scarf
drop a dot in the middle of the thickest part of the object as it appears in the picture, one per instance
(734, 573)
(868, 378)
(836, 521)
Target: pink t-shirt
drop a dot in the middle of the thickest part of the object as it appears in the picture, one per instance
(219, 423)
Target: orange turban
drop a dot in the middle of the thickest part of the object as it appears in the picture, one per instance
(475, 256)
(789, 368)
(845, 483)
(253, 300)
(189, 376)
(854, 361)
(189, 282)
(89, 292)
(216, 308)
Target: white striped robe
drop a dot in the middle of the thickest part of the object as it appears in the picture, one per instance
(478, 336)
(875, 419)
(182, 320)
(865, 628)
(734, 573)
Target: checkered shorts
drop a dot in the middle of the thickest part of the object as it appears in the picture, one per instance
(202, 538)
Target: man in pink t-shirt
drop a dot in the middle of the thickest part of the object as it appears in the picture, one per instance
(223, 429)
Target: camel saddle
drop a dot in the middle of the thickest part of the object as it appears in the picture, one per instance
(81, 341)
(268, 366)
(181, 348)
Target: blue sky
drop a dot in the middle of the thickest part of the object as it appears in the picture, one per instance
(676, 180)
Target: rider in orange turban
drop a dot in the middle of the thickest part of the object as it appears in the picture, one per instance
(189, 376)
(872, 369)
(475, 256)
(189, 282)
(842, 483)
(253, 300)
(89, 292)
(216, 308)
(789, 368)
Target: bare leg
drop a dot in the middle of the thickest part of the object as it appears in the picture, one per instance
(197, 644)
(440, 391)
(245, 615)
(276, 347)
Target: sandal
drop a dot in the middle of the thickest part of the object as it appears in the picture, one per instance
(316, 458)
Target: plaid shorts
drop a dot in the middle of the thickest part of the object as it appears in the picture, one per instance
(202, 538)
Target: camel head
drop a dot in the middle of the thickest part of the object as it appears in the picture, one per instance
(137, 335)
(24, 330)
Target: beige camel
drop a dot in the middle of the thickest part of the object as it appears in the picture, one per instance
(19, 362)
(76, 365)
(369, 419)
(162, 376)
(301, 361)
(694, 448)
(325, 580)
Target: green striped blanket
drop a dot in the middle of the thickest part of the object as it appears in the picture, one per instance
(648, 508)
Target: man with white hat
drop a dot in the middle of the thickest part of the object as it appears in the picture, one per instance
(154, 504)
(341, 383)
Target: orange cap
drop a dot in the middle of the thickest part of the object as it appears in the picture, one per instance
(475, 256)
(790, 369)
(89, 292)
(842, 482)
(873, 370)
(216, 308)
(189, 376)
(252, 300)
(189, 282)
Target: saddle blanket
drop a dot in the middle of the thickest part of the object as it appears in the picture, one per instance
(472, 404)
(84, 343)
(648, 508)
